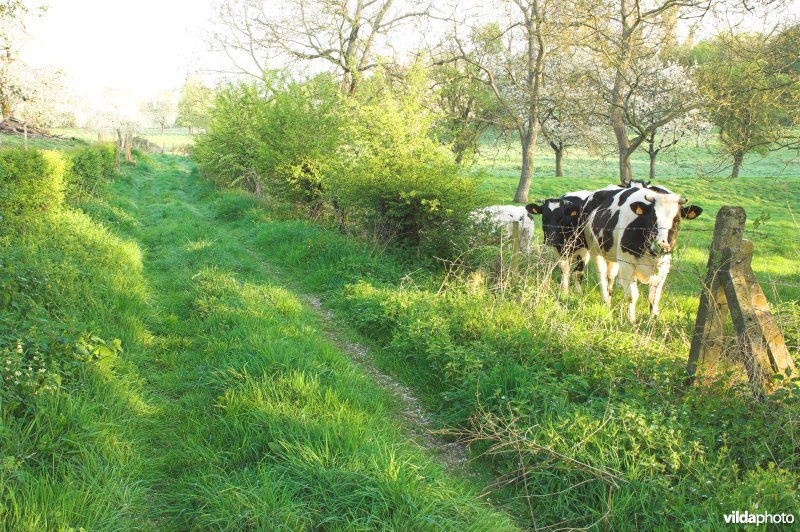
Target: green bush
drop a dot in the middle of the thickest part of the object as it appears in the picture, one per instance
(90, 169)
(395, 179)
(284, 136)
(229, 151)
(31, 183)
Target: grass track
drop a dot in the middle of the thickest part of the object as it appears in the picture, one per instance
(259, 422)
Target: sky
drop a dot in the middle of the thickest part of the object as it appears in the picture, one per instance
(140, 47)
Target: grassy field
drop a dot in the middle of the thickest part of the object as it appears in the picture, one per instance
(587, 420)
(768, 189)
(501, 159)
(222, 405)
(169, 138)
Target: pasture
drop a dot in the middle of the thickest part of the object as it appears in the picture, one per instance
(570, 414)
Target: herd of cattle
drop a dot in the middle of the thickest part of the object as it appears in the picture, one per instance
(629, 231)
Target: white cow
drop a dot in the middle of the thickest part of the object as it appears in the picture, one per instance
(502, 217)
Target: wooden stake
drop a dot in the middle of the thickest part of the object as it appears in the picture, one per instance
(732, 288)
(514, 247)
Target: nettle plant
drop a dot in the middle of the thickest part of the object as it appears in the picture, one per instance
(37, 359)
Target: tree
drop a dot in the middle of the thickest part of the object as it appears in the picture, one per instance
(466, 107)
(194, 105)
(752, 85)
(667, 137)
(509, 53)
(13, 15)
(48, 101)
(343, 34)
(629, 37)
(661, 90)
(161, 109)
(569, 105)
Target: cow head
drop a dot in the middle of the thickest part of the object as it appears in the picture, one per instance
(659, 216)
(560, 217)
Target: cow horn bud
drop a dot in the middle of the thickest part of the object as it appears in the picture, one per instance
(683, 201)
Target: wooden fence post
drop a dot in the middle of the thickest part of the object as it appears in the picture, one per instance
(731, 287)
(514, 247)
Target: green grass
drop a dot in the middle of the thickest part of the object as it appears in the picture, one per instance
(17, 141)
(169, 139)
(690, 159)
(227, 408)
(587, 418)
(768, 189)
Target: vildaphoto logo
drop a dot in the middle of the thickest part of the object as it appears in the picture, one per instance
(746, 518)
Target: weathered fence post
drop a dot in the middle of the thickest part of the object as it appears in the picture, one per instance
(731, 287)
(514, 247)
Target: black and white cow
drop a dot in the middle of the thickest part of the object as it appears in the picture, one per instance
(562, 230)
(632, 232)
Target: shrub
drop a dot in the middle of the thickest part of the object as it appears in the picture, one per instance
(31, 182)
(91, 168)
(38, 356)
(229, 151)
(284, 135)
(397, 180)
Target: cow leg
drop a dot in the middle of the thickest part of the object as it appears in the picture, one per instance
(613, 270)
(602, 272)
(563, 264)
(631, 287)
(656, 285)
(580, 268)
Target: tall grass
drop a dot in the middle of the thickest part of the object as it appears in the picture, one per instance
(585, 418)
(216, 402)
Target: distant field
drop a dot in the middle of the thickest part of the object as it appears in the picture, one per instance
(169, 139)
(501, 160)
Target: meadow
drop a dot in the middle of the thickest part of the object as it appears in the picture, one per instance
(210, 397)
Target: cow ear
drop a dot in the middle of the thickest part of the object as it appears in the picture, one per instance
(691, 212)
(533, 208)
(639, 207)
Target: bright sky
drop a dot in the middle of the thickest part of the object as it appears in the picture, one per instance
(135, 47)
(139, 47)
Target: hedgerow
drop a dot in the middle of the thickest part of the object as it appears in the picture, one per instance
(371, 162)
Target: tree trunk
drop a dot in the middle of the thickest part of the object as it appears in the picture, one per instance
(738, 159)
(528, 146)
(559, 157)
(653, 153)
(653, 165)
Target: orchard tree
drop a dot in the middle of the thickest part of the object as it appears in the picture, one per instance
(13, 16)
(667, 137)
(508, 48)
(161, 109)
(48, 101)
(345, 35)
(569, 106)
(465, 105)
(660, 109)
(752, 84)
(194, 105)
(629, 38)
